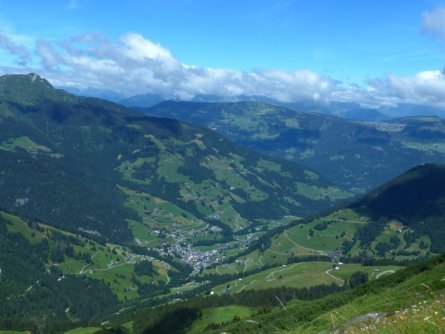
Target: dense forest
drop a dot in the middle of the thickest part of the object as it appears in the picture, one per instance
(30, 290)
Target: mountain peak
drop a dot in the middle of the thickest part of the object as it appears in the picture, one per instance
(24, 79)
(25, 87)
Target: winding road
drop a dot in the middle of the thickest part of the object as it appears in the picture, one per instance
(384, 273)
(328, 272)
(271, 277)
(245, 286)
(320, 252)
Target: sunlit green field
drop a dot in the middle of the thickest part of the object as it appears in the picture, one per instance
(415, 306)
(109, 262)
(300, 275)
(219, 315)
(83, 330)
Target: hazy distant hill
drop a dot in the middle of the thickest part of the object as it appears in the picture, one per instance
(358, 154)
(105, 94)
(348, 110)
(142, 100)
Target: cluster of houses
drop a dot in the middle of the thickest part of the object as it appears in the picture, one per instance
(200, 259)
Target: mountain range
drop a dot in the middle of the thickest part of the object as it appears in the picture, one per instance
(78, 163)
(348, 110)
(106, 211)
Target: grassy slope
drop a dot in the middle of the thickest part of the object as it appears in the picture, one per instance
(109, 262)
(83, 330)
(403, 215)
(407, 300)
(342, 225)
(218, 315)
(297, 241)
(299, 275)
(414, 306)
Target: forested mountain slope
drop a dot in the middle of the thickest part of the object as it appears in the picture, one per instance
(90, 166)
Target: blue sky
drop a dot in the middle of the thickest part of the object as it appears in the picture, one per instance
(357, 50)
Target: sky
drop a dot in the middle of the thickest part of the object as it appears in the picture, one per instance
(374, 52)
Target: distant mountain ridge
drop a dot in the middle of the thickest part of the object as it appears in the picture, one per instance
(347, 110)
(357, 154)
(105, 94)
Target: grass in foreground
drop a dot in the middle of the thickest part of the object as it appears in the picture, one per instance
(426, 316)
(83, 330)
(393, 300)
(416, 305)
(218, 315)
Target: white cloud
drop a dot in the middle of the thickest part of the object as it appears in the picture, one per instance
(47, 54)
(425, 88)
(136, 47)
(92, 65)
(433, 22)
(7, 43)
(135, 65)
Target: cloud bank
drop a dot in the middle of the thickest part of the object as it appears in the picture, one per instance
(134, 65)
